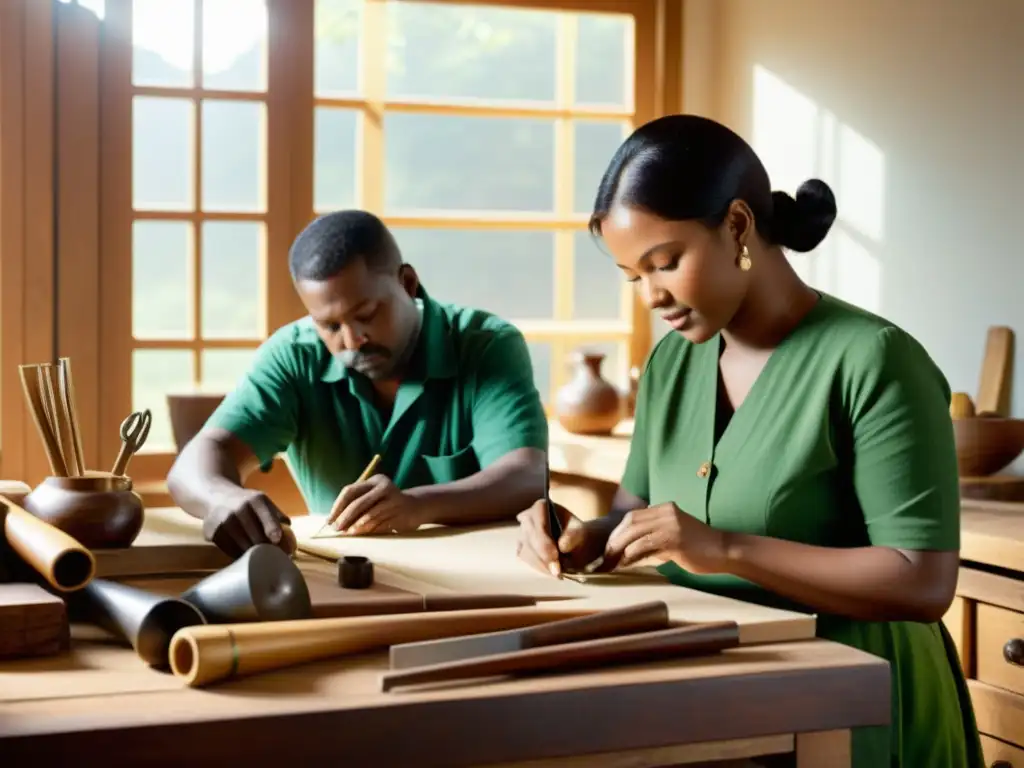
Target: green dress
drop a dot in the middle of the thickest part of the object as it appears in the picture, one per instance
(844, 440)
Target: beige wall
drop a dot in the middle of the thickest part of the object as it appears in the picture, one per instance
(913, 110)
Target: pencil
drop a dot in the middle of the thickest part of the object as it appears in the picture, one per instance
(554, 524)
(366, 473)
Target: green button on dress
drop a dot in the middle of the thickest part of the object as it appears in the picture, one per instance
(844, 440)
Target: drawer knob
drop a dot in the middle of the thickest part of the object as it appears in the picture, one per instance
(1013, 651)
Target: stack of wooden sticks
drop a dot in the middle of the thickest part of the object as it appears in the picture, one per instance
(49, 390)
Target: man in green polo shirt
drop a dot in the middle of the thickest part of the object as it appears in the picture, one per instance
(443, 394)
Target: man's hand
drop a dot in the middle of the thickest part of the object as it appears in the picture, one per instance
(374, 506)
(243, 518)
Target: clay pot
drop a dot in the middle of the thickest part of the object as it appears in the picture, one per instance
(588, 404)
(100, 510)
(189, 412)
(985, 445)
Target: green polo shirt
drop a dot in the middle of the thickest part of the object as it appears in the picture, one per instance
(468, 400)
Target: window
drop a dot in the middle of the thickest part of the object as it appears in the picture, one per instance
(477, 131)
(199, 197)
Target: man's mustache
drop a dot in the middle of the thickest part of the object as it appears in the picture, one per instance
(352, 357)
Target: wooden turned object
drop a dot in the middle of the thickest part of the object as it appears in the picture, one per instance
(985, 445)
(101, 511)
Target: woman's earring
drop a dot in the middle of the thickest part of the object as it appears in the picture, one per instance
(744, 260)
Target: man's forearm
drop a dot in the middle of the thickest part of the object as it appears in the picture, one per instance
(202, 471)
(499, 492)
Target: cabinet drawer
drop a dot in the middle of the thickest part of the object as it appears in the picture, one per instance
(999, 647)
(999, 713)
(999, 754)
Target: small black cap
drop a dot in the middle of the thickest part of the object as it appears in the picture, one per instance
(355, 572)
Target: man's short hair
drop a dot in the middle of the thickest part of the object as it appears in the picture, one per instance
(335, 240)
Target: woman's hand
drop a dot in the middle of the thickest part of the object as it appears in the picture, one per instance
(666, 533)
(580, 545)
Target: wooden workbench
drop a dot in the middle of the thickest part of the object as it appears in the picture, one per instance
(101, 703)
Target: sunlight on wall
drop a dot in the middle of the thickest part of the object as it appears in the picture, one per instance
(797, 140)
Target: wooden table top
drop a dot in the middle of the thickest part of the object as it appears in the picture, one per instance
(100, 699)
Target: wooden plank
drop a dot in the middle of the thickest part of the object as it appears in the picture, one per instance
(13, 421)
(734, 695)
(38, 190)
(115, 299)
(78, 215)
(33, 622)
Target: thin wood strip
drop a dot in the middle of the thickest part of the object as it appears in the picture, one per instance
(30, 384)
(176, 92)
(66, 387)
(48, 387)
(13, 310)
(196, 216)
(486, 220)
(196, 344)
(453, 107)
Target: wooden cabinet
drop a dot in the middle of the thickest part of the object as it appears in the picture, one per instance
(986, 622)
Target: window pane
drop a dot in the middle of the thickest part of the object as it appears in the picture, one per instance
(163, 164)
(468, 163)
(508, 273)
(233, 156)
(438, 50)
(235, 45)
(161, 289)
(163, 36)
(155, 373)
(597, 283)
(540, 354)
(596, 142)
(334, 159)
(604, 60)
(232, 292)
(337, 30)
(222, 368)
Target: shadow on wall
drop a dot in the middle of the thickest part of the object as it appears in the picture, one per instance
(797, 139)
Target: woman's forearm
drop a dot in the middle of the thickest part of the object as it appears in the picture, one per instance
(867, 583)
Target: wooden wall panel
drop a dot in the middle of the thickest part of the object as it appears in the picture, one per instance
(78, 244)
(12, 233)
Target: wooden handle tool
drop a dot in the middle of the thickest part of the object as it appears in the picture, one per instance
(694, 640)
(642, 617)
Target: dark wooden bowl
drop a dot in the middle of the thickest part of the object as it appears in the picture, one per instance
(985, 445)
(189, 412)
(100, 510)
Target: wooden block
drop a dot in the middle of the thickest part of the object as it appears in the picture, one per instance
(32, 622)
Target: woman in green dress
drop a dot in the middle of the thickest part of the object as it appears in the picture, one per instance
(789, 449)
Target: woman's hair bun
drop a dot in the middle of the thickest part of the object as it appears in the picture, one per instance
(801, 224)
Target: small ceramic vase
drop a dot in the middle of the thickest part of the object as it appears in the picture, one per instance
(588, 404)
